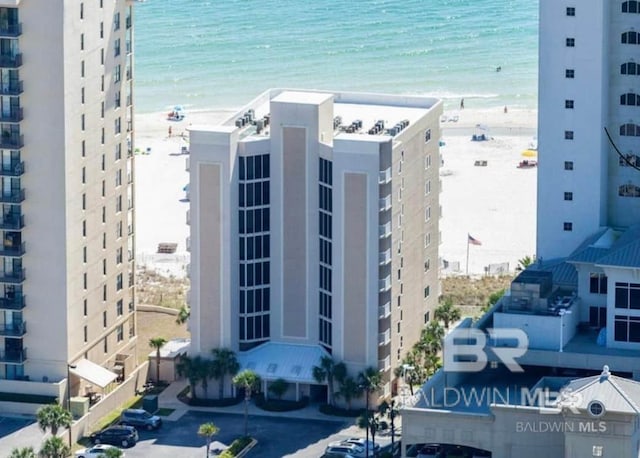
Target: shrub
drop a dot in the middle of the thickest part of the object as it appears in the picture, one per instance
(236, 447)
(340, 412)
(280, 405)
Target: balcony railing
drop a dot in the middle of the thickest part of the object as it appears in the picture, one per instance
(12, 277)
(12, 303)
(384, 230)
(385, 203)
(384, 310)
(188, 218)
(385, 284)
(11, 60)
(188, 241)
(385, 257)
(11, 141)
(14, 197)
(13, 330)
(384, 176)
(127, 22)
(12, 222)
(10, 30)
(384, 337)
(384, 364)
(13, 88)
(13, 356)
(14, 115)
(8, 250)
(12, 169)
(187, 164)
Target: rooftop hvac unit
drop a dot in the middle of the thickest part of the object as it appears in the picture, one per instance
(239, 122)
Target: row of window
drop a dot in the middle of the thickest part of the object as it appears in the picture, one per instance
(325, 197)
(251, 221)
(325, 172)
(324, 333)
(255, 274)
(325, 223)
(255, 247)
(254, 327)
(253, 194)
(629, 6)
(325, 305)
(254, 167)
(325, 278)
(627, 296)
(626, 130)
(326, 256)
(625, 190)
(325, 230)
(255, 300)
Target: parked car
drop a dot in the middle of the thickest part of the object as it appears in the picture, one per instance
(344, 450)
(125, 436)
(140, 418)
(359, 443)
(363, 443)
(97, 451)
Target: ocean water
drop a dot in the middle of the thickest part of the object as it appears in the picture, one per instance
(216, 54)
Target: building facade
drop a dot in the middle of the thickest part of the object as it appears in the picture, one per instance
(314, 221)
(66, 285)
(589, 91)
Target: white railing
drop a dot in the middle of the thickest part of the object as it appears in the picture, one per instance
(384, 230)
(384, 310)
(384, 337)
(384, 364)
(385, 257)
(385, 284)
(385, 203)
(384, 176)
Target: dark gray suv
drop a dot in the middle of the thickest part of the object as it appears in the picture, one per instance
(140, 418)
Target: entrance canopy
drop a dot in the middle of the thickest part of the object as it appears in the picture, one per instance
(93, 373)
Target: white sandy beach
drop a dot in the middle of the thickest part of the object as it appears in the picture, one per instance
(496, 204)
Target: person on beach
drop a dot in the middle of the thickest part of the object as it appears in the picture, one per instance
(462, 104)
(505, 109)
(169, 131)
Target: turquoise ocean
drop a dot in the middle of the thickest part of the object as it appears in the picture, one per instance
(206, 54)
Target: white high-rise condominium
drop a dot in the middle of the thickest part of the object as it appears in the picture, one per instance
(314, 231)
(589, 82)
(66, 122)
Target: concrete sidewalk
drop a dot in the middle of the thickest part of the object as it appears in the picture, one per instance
(169, 399)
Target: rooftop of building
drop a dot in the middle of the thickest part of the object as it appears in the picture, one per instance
(357, 116)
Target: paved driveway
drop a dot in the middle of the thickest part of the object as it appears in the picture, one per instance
(277, 436)
(17, 432)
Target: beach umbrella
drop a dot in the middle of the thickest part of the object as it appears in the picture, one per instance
(529, 153)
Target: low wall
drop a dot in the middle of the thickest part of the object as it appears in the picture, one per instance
(53, 389)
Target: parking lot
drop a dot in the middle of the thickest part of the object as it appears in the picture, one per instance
(277, 436)
(18, 432)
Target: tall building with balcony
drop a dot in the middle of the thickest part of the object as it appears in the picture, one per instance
(314, 231)
(66, 135)
(589, 90)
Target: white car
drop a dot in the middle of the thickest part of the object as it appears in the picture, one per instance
(97, 451)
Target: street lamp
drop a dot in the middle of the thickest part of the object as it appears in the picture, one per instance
(69, 367)
(561, 313)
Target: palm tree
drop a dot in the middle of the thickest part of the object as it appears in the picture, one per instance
(183, 315)
(249, 381)
(225, 363)
(278, 387)
(54, 447)
(112, 452)
(157, 343)
(187, 367)
(53, 417)
(447, 312)
(208, 430)
(349, 389)
(330, 371)
(24, 452)
(205, 368)
(391, 411)
(525, 262)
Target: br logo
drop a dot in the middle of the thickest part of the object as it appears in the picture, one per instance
(464, 349)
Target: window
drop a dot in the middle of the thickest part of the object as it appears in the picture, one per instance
(102, 83)
(116, 21)
(568, 135)
(116, 74)
(82, 124)
(630, 68)
(84, 201)
(104, 241)
(101, 29)
(118, 151)
(630, 38)
(104, 267)
(630, 130)
(82, 95)
(103, 162)
(82, 69)
(427, 292)
(630, 99)
(105, 347)
(627, 328)
(571, 11)
(427, 187)
(568, 104)
(567, 226)
(104, 295)
(86, 334)
(116, 47)
(104, 188)
(427, 214)
(84, 308)
(117, 126)
(568, 165)
(569, 73)
(119, 307)
(427, 240)
(629, 190)
(571, 42)
(427, 161)
(120, 333)
(104, 215)
(117, 99)
(84, 228)
(81, 10)
(427, 135)
(597, 317)
(597, 283)
(627, 296)
(84, 175)
(83, 147)
(427, 265)
(84, 280)
(568, 196)
(119, 282)
(119, 204)
(102, 110)
(82, 42)
(632, 6)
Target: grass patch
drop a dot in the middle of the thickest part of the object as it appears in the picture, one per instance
(236, 447)
(165, 411)
(279, 405)
(471, 291)
(156, 289)
(133, 403)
